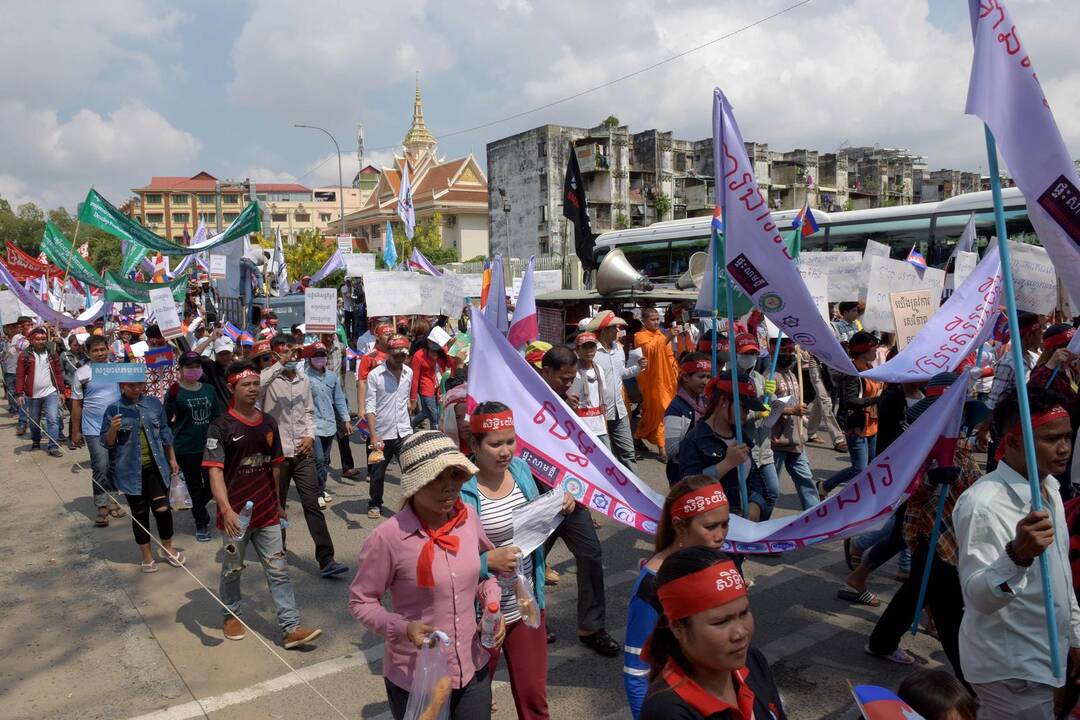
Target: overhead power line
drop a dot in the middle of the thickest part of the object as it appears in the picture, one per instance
(595, 88)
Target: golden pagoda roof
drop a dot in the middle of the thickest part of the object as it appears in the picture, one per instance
(419, 138)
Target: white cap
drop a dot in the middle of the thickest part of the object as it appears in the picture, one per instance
(223, 344)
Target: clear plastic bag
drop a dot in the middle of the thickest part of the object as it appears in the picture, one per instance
(179, 497)
(526, 600)
(429, 696)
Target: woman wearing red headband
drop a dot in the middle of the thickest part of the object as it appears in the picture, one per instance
(702, 665)
(1056, 369)
(502, 484)
(695, 514)
(686, 408)
(858, 409)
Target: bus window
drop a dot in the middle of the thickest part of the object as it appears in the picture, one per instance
(681, 250)
(899, 235)
(652, 259)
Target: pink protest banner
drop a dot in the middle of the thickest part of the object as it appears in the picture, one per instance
(757, 257)
(1004, 92)
(869, 498)
(958, 327)
(551, 438)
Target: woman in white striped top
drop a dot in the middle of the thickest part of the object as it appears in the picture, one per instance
(503, 484)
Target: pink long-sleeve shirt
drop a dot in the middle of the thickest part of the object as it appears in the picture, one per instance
(388, 562)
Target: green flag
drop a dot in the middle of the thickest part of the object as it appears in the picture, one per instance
(58, 249)
(120, 289)
(100, 213)
(132, 258)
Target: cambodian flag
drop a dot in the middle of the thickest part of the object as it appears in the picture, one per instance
(231, 331)
(718, 219)
(526, 325)
(157, 357)
(1001, 328)
(805, 220)
(916, 258)
(877, 703)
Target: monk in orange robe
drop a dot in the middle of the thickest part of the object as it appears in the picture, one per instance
(658, 382)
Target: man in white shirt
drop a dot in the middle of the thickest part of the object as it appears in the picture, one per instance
(388, 409)
(611, 359)
(590, 388)
(39, 384)
(1004, 648)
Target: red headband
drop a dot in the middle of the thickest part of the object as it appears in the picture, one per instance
(716, 585)
(245, 373)
(695, 366)
(860, 348)
(399, 343)
(699, 501)
(490, 422)
(724, 385)
(935, 390)
(1058, 339)
(1055, 413)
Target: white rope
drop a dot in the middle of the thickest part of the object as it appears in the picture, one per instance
(194, 577)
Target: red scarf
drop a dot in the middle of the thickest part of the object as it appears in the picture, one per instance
(441, 537)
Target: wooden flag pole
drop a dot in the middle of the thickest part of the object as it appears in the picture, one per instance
(1021, 391)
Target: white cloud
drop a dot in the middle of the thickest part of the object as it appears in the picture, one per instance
(54, 161)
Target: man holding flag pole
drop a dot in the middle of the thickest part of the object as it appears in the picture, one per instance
(1016, 616)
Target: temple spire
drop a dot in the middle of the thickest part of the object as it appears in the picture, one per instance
(419, 139)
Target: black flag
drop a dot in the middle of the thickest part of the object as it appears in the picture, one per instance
(576, 209)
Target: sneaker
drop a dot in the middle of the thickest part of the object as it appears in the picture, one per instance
(300, 636)
(333, 568)
(202, 534)
(321, 501)
(327, 497)
(55, 452)
(233, 628)
(20, 430)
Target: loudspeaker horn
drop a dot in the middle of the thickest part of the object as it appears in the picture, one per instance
(616, 273)
(694, 274)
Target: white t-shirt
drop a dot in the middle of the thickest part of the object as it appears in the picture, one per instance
(43, 380)
(11, 358)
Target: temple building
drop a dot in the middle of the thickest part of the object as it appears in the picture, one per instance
(455, 189)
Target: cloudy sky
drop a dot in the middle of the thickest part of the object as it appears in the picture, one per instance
(111, 92)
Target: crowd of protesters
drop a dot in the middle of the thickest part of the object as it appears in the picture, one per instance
(241, 414)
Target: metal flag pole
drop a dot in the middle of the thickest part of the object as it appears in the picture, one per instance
(780, 333)
(1021, 390)
(715, 298)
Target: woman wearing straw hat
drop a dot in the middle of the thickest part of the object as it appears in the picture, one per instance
(428, 557)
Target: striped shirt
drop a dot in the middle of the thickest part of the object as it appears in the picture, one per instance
(497, 519)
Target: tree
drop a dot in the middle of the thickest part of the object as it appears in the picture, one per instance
(307, 254)
(427, 237)
(611, 121)
(621, 221)
(662, 205)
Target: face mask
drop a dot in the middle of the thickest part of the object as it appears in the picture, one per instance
(290, 366)
(746, 362)
(191, 374)
(317, 362)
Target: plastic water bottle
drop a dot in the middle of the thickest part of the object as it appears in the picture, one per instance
(489, 624)
(244, 519)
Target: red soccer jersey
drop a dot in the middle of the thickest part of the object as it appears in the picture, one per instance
(369, 362)
(246, 451)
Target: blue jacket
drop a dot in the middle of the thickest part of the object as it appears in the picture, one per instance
(641, 619)
(329, 400)
(470, 494)
(148, 413)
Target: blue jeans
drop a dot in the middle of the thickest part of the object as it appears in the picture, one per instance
(9, 388)
(270, 549)
(862, 450)
(798, 467)
(49, 407)
(102, 470)
(764, 489)
(426, 407)
(322, 460)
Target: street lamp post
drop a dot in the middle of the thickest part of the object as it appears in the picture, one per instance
(506, 221)
(341, 179)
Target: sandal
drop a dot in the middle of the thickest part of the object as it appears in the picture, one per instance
(102, 519)
(374, 513)
(861, 598)
(600, 642)
(150, 567)
(840, 447)
(116, 511)
(176, 560)
(898, 656)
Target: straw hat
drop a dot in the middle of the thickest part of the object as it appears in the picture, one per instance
(424, 455)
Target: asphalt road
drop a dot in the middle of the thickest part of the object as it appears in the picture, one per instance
(87, 635)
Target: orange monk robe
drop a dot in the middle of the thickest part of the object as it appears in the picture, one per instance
(658, 384)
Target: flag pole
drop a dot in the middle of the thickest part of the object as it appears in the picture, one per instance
(796, 243)
(732, 362)
(1021, 390)
(943, 494)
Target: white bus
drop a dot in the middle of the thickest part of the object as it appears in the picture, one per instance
(662, 251)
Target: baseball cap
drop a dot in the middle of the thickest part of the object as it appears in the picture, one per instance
(190, 358)
(399, 342)
(260, 348)
(224, 344)
(747, 390)
(584, 338)
(746, 343)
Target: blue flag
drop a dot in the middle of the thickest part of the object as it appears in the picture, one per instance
(389, 255)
